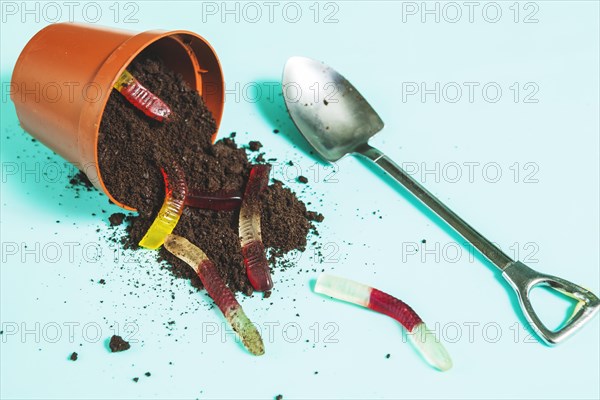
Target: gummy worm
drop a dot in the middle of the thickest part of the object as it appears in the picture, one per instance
(253, 250)
(142, 98)
(223, 200)
(170, 212)
(218, 291)
(424, 340)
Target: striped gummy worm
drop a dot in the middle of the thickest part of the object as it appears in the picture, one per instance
(141, 98)
(218, 291)
(424, 340)
(253, 250)
(171, 210)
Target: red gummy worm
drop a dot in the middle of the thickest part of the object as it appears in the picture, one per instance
(175, 184)
(216, 288)
(257, 182)
(253, 250)
(389, 305)
(257, 267)
(145, 100)
(223, 200)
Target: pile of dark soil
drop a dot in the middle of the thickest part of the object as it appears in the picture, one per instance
(132, 147)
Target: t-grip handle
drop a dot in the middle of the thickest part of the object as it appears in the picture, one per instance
(523, 279)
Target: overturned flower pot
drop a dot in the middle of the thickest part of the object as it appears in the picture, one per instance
(64, 76)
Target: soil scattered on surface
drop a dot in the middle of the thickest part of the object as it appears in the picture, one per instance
(118, 344)
(80, 180)
(132, 148)
(73, 356)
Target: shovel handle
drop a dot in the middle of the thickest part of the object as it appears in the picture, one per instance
(480, 242)
(523, 279)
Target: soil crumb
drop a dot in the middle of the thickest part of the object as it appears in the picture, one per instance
(255, 145)
(116, 219)
(118, 344)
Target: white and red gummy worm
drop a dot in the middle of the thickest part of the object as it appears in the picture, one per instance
(253, 250)
(218, 291)
(424, 340)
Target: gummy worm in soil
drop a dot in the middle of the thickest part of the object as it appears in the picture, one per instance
(218, 291)
(424, 340)
(170, 212)
(222, 200)
(253, 250)
(141, 98)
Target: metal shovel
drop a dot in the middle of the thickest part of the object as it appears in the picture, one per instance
(343, 123)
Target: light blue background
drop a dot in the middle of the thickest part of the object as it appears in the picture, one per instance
(556, 217)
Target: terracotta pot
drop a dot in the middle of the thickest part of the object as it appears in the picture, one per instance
(64, 76)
